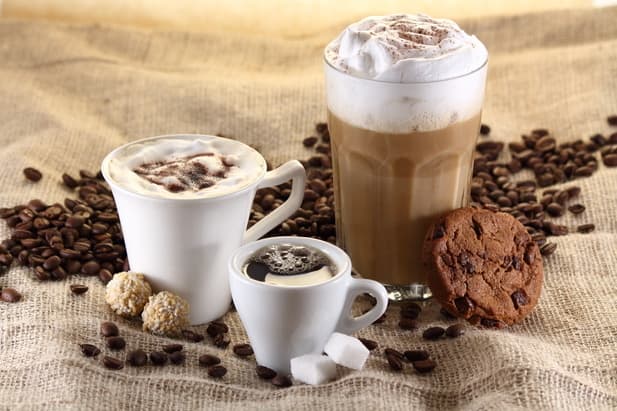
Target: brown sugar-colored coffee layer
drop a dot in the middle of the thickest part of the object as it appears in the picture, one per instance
(483, 266)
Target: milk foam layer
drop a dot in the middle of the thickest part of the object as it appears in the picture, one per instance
(405, 73)
(247, 165)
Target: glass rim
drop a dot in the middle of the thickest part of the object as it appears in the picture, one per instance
(484, 64)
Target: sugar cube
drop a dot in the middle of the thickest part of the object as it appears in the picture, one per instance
(313, 369)
(347, 351)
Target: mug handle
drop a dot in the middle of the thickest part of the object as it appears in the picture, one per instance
(290, 170)
(348, 324)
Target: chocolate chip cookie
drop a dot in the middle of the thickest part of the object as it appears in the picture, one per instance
(483, 266)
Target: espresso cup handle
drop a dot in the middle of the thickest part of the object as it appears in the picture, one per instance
(348, 324)
(290, 170)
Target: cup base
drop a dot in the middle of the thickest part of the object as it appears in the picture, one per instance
(411, 292)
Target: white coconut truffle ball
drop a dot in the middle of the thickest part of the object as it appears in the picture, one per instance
(127, 293)
(165, 314)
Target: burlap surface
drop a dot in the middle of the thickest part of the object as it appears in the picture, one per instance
(69, 94)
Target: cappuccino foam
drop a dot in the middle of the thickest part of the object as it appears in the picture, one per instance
(186, 167)
(401, 74)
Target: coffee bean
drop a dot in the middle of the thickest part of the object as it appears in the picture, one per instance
(207, 360)
(410, 314)
(91, 268)
(464, 304)
(369, 344)
(433, 333)
(395, 362)
(109, 329)
(112, 363)
(9, 295)
(115, 343)
(177, 357)
(610, 160)
(74, 222)
(216, 327)
(192, 336)
(455, 330)
(78, 288)
(585, 228)
(484, 129)
(105, 275)
(220, 341)
(394, 353)
(416, 355)
(158, 358)
(69, 181)
(548, 249)
(217, 371)
(32, 174)
(554, 209)
(137, 358)
(265, 373)
(281, 381)
(309, 141)
(424, 366)
(407, 324)
(576, 208)
(243, 350)
(171, 348)
(89, 350)
(612, 120)
(51, 263)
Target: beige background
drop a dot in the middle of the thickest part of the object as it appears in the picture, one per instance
(283, 17)
(72, 92)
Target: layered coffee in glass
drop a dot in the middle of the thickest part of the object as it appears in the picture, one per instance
(404, 97)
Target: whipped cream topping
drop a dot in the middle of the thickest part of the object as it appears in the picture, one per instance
(185, 166)
(405, 48)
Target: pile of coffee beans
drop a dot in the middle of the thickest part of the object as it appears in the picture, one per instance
(315, 218)
(81, 236)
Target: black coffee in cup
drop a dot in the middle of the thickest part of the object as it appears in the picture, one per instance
(287, 264)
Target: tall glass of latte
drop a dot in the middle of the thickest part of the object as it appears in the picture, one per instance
(404, 97)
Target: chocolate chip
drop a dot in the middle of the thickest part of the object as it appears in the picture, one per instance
(455, 330)
(89, 350)
(424, 366)
(369, 344)
(112, 363)
(217, 371)
(438, 232)
(115, 343)
(243, 350)
(265, 373)
(207, 360)
(32, 174)
(171, 348)
(78, 288)
(137, 358)
(416, 355)
(109, 329)
(433, 333)
(158, 358)
(519, 298)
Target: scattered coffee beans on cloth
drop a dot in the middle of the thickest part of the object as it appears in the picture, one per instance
(483, 266)
(165, 314)
(127, 293)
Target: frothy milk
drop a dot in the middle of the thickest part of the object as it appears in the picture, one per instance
(403, 49)
(404, 94)
(186, 167)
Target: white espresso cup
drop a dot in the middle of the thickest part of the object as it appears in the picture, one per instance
(183, 244)
(283, 322)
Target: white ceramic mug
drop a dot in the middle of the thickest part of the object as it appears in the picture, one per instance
(283, 322)
(183, 245)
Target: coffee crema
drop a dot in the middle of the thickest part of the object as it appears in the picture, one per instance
(186, 166)
(289, 265)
